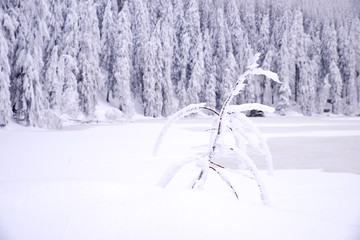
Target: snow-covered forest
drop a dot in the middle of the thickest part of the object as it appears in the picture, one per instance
(58, 59)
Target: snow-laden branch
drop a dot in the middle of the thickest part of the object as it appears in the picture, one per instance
(193, 108)
(253, 169)
(261, 144)
(252, 69)
(273, 76)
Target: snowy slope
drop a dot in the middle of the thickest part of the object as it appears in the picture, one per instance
(99, 182)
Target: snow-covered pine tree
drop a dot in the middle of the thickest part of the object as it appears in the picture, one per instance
(235, 27)
(284, 62)
(195, 61)
(247, 14)
(330, 68)
(219, 52)
(307, 86)
(155, 12)
(28, 101)
(54, 19)
(209, 91)
(121, 71)
(9, 23)
(229, 77)
(52, 74)
(5, 109)
(182, 69)
(347, 65)
(336, 88)
(297, 50)
(68, 60)
(313, 30)
(264, 33)
(167, 34)
(88, 57)
(266, 94)
(53, 81)
(152, 79)
(177, 73)
(197, 75)
(355, 36)
(107, 51)
(205, 9)
(140, 28)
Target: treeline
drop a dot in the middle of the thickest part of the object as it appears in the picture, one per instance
(57, 58)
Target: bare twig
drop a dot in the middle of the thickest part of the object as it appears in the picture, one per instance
(218, 165)
(210, 109)
(197, 179)
(226, 181)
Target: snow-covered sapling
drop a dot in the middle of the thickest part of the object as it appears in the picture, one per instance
(229, 121)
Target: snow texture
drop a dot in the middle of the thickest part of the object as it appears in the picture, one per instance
(99, 182)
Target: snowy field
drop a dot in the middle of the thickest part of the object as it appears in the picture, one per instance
(100, 182)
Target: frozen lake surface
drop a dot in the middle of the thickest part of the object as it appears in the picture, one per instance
(99, 182)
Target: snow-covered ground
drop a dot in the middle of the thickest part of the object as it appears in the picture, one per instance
(99, 182)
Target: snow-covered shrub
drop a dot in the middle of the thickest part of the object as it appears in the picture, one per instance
(229, 121)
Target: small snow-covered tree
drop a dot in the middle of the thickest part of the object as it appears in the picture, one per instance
(229, 121)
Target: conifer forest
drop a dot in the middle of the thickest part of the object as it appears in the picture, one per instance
(61, 58)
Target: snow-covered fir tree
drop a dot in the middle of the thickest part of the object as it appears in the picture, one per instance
(330, 68)
(140, 28)
(209, 90)
(166, 38)
(121, 70)
(107, 50)
(284, 72)
(28, 100)
(347, 67)
(88, 57)
(68, 60)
